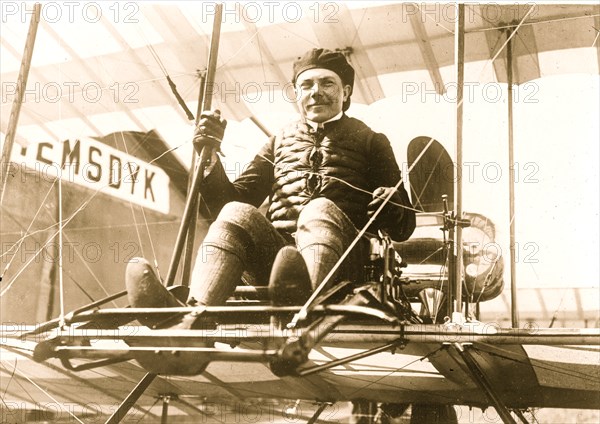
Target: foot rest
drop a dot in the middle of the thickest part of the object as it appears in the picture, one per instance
(252, 293)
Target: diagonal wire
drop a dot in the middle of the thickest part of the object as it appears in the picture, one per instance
(145, 220)
(83, 205)
(19, 384)
(49, 395)
(512, 34)
(378, 380)
(362, 18)
(12, 374)
(435, 21)
(242, 47)
(148, 410)
(535, 363)
(22, 239)
(137, 231)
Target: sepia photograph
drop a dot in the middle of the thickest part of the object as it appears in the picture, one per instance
(252, 212)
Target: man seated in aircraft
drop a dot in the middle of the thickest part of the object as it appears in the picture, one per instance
(324, 176)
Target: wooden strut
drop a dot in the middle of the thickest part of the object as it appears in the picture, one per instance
(189, 210)
(342, 361)
(205, 155)
(459, 51)
(481, 380)
(18, 100)
(131, 399)
(317, 413)
(191, 234)
(511, 185)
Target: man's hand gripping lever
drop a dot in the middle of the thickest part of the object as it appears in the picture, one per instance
(208, 137)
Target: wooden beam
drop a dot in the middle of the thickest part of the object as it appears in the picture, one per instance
(94, 77)
(268, 56)
(424, 44)
(343, 34)
(18, 100)
(137, 61)
(39, 76)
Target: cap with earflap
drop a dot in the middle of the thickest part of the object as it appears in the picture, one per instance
(326, 59)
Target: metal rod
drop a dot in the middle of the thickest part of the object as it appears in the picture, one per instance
(317, 413)
(164, 417)
(260, 125)
(188, 252)
(46, 326)
(131, 399)
(18, 100)
(481, 380)
(61, 285)
(511, 186)
(520, 415)
(190, 204)
(342, 361)
(344, 334)
(459, 51)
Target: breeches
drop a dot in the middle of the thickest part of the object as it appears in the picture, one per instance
(242, 239)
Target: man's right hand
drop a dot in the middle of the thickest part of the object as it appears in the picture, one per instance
(209, 131)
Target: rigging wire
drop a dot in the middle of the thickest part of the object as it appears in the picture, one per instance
(362, 18)
(555, 314)
(22, 239)
(242, 47)
(435, 21)
(148, 410)
(133, 177)
(50, 396)
(16, 380)
(532, 23)
(534, 363)
(512, 34)
(12, 374)
(378, 380)
(85, 262)
(303, 311)
(86, 228)
(61, 286)
(82, 206)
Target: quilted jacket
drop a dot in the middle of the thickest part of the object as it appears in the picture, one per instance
(344, 162)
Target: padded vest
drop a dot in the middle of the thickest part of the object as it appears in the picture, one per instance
(309, 164)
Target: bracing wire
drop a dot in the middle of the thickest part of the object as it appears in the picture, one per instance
(56, 402)
(61, 284)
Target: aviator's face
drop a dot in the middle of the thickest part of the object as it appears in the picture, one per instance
(320, 94)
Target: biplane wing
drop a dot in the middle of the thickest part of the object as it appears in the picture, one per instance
(370, 361)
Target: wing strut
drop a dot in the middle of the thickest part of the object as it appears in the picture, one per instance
(456, 254)
(18, 100)
(511, 184)
(480, 379)
(185, 228)
(131, 399)
(318, 413)
(198, 170)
